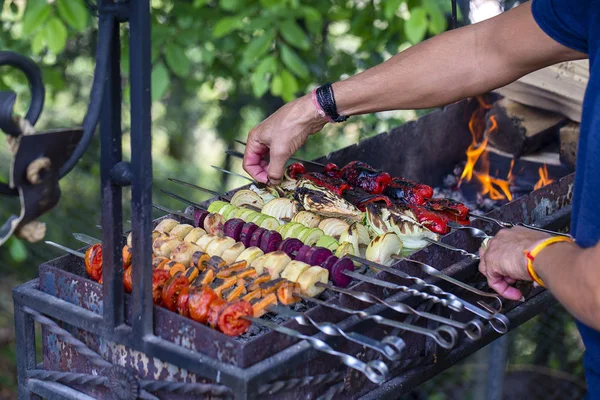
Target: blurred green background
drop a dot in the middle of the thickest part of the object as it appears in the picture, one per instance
(218, 68)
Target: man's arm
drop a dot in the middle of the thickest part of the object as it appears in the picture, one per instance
(449, 67)
(571, 273)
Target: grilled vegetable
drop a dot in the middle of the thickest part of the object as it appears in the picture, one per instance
(164, 247)
(214, 310)
(166, 225)
(401, 221)
(180, 231)
(333, 227)
(250, 254)
(258, 281)
(327, 242)
(233, 228)
(369, 179)
(259, 264)
(213, 224)
(281, 208)
(231, 269)
(285, 293)
(267, 194)
(317, 255)
(294, 230)
(303, 253)
(382, 247)
(270, 241)
(234, 293)
(260, 306)
(192, 273)
(232, 253)
(337, 272)
(205, 240)
(310, 236)
(206, 277)
(246, 234)
(127, 282)
(268, 223)
(329, 263)
(230, 319)
(220, 285)
(216, 205)
(218, 246)
(199, 217)
(194, 235)
(127, 255)
(308, 280)
(255, 294)
(200, 299)
(293, 270)
(159, 262)
(256, 237)
(199, 260)
(290, 246)
(159, 277)
(275, 262)
(307, 219)
(345, 248)
(182, 302)
(247, 197)
(324, 202)
(294, 171)
(171, 290)
(215, 263)
(93, 261)
(184, 252)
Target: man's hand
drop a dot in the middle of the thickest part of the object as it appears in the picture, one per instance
(278, 137)
(504, 261)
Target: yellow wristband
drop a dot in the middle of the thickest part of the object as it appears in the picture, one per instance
(531, 254)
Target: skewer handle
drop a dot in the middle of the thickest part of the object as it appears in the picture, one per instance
(375, 370)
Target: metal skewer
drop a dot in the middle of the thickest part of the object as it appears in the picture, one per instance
(453, 301)
(429, 270)
(375, 370)
(169, 211)
(512, 225)
(64, 248)
(473, 329)
(452, 248)
(82, 237)
(444, 336)
(390, 346)
(234, 174)
(315, 163)
(185, 201)
(209, 191)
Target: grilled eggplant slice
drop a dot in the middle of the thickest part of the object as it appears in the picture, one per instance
(324, 202)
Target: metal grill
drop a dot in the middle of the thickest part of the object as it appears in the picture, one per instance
(102, 342)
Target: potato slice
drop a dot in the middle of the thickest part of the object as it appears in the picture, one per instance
(293, 270)
(259, 264)
(232, 253)
(194, 235)
(250, 254)
(166, 225)
(181, 231)
(164, 247)
(276, 262)
(205, 241)
(184, 252)
(219, 245)
(308, 280)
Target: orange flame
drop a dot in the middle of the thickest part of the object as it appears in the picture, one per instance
(544, 178)
(495, 188)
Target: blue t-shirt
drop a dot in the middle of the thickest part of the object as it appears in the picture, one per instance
(576, 24)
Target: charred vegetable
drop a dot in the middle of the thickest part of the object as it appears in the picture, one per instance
(382, 247)
(324, 202)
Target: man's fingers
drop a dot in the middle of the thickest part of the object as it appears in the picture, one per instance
(277, 161)
(501, 287)
(254, 162)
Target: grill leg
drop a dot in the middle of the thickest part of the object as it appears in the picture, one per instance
(496, 368)
(25, 339)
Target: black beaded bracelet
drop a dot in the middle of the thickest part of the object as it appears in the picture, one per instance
(326, 100)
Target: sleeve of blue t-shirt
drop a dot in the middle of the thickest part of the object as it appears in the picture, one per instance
(565, 21)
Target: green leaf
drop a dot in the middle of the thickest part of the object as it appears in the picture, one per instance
(177, 60)
(257, 47)
(314, 20)
(56, 35)
(226, 25)
(289, 86)
(160, 81)
(437, 20)
(74, 13)
(260, 83)
(17, 250)
(276, 85)
(294, 35)
(293, 61)
(416, 26)
(38, 43)
(231, 5)
(35, 15)
(390, 7)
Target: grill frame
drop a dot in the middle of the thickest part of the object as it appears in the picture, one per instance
(245, 383)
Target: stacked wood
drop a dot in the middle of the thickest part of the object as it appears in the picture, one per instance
(569, 137)
(559, 88)
(518, 129)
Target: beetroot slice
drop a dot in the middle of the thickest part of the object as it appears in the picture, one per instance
(199, 217)
(317, 255)
(302, 253)
(270, 241)
(256, 236)
(291, 246)
(328, 264)
(247, 230)
(337, 272)
(233, 228)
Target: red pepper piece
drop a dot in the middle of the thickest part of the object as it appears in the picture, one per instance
(182, 302)
(295, 169)
(332, 170)
(337, 186)
(449, 207)
(432, 220)
(199, 300)
(369, 179)
(230, 320)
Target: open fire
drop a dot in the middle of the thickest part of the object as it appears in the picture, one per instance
(478, 165)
